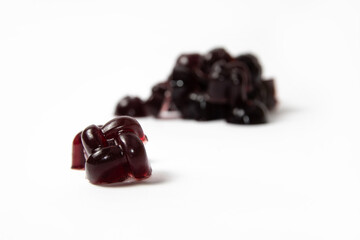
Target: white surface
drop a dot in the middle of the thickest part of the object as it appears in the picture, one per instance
(65, 64)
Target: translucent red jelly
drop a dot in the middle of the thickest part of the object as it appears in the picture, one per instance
(113, 152)
(212, 86)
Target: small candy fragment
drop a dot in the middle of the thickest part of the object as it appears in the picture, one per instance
(113, 152)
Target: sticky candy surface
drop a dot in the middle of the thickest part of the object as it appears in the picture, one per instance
(113, 152)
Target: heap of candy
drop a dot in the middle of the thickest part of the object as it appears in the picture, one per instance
(208, 87)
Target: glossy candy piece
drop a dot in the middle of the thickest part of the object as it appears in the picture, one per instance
(78, 158)
(93, 139)
(122, 124)
(108, 165)
(113, 152)
(135, 153)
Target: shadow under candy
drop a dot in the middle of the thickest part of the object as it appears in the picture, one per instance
(157, 177)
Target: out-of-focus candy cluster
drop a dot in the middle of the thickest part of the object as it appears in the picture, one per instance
(208, 87)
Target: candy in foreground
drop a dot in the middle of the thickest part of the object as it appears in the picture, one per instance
(113, 152)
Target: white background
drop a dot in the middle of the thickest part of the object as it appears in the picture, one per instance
(65, 64)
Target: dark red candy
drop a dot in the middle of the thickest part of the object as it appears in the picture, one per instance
(185, 78)
(113, 152)
(92, 139)
(78, 158)
(113, 128)
(108, 165)
(254, 66)
(199, 107)
(228, 82)
(241, 85)
(131, 106)
(213, 56)
(189, 61)
(188, 69)
(205, 87)
(269, 94)
(135, 153)
(156, 99)
(251, 112)
(220, 83)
